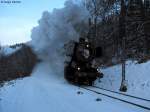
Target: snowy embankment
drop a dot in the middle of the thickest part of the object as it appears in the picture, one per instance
(137, 76)
(44, 91)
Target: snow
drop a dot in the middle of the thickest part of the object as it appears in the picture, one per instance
(44, 91)
(122, 97)
(137, 77)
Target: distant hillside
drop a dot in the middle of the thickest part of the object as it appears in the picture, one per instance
(18, 64)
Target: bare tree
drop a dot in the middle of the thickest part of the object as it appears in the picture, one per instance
(99, 9)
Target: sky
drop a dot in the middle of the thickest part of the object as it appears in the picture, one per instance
(18, 19)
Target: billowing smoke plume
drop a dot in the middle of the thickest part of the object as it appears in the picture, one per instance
(56, 29)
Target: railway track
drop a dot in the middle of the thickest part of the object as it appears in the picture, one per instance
(129, 99)
(122, 94)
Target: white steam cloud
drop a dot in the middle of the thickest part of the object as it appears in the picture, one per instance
(57, 28)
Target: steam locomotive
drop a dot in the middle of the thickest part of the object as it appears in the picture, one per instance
(79, 70)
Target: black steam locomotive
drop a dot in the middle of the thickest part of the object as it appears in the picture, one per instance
(79, 70)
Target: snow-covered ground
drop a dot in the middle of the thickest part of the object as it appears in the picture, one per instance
(46, 92)
(137, 77)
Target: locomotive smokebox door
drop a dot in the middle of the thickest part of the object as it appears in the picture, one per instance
(85, 52)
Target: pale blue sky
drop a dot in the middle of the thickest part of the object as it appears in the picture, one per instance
(17, 20)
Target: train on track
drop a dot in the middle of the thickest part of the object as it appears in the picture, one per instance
(79, 70)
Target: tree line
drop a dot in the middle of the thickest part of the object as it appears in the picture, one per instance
(121, 27)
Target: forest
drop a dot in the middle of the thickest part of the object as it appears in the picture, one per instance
(121, 27)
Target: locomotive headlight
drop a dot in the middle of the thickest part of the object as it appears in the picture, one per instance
(78, 68)
(97, 70)
(87, 45)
